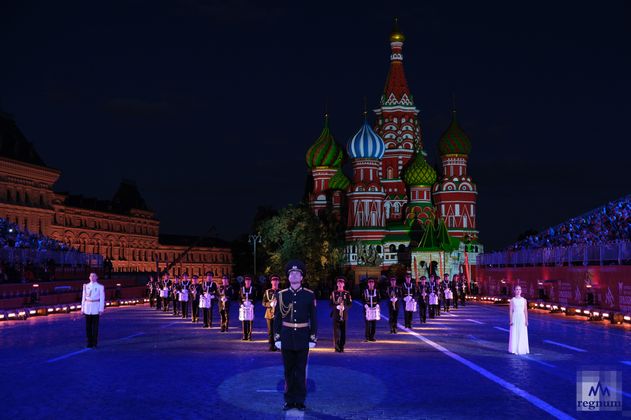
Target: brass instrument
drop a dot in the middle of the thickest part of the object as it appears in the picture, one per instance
(340, 305)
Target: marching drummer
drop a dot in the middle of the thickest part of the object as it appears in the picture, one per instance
(270, 299)
(408, 290)
(246, 312)
(422, 299)
(371, 306)
(183, 291)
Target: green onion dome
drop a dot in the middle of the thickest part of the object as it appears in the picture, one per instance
(419, 172)
(325, 151)
(454, 141)
(339, 181)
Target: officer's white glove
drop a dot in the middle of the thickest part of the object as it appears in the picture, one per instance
(312, 341)
(277, 341)
(366, 306)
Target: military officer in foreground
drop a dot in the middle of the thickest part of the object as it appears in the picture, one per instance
(295, 329)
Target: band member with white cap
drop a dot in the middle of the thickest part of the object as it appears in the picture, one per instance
(270, 300)
(295, 330)
(92, 306)
(341, 302)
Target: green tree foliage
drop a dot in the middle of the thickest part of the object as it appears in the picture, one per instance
(297, 233)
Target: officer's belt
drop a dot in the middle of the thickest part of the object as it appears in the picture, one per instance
(294, 325)
(93, 300)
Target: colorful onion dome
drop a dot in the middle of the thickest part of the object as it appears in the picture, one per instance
(454, 140)
(366, 144)
(339, 181)
(396, 35)
(325, 151)
(419, 172)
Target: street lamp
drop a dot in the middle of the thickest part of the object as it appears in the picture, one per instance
(254, 239)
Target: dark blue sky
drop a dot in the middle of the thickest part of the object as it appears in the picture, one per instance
(210, 106)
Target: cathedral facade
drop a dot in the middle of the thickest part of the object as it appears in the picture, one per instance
(396, 208)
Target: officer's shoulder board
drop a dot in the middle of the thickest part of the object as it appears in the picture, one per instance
(308, 290)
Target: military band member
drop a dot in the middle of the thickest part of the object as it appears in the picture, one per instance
(438, 291)
(371, 300)
(270, 300)
(92, 306)
(151, 291)
(295, 330)
(158, 291)
(196, 291)
(394, 302)
(454, 290)
(225, 293)
(432, 298)
(209, 288)
(247, 295)
(462, 289)
(175, 287)
(168, 284)
(183, 296)
(408, 291)
(341, 302)
(422, 299)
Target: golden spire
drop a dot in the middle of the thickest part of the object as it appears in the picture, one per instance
(396, 35)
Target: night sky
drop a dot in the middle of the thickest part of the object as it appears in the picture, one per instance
(210, 106)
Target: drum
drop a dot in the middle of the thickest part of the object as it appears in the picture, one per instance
(449, 294)
(433, 299)
(204, 301)
(410, 305)
(246, 313)
(182, 296)
(164, 293)
(373, 314)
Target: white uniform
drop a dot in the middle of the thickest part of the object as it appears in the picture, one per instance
(93, 298)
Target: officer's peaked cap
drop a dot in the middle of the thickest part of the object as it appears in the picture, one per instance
(295, 265)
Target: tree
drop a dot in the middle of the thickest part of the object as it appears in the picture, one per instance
(297, 233)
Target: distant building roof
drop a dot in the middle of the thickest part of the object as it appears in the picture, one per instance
(188, 240)
(127, 197)
(13, 144)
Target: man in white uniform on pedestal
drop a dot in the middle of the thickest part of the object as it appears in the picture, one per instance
(92, 306)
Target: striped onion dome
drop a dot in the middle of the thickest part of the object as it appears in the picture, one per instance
(366, 144)
(325, 151)
(339, 181)
(419, 172)
(454, 141)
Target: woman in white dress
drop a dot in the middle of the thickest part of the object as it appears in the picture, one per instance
(518, 317)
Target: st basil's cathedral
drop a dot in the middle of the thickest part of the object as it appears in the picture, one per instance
(396, 208)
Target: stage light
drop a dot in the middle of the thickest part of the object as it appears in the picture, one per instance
(627, 318)
(32, 312)
(72, 307)
(11, 315)
(563, 308)
(51, 310)
(22, 315)
(605, 315)
(586, 312)
(577, 310)
(3, 317)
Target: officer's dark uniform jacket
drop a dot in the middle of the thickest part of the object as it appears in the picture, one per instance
(227, 292)
(295, 307)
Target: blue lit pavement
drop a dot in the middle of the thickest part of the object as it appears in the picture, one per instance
(150, 364)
